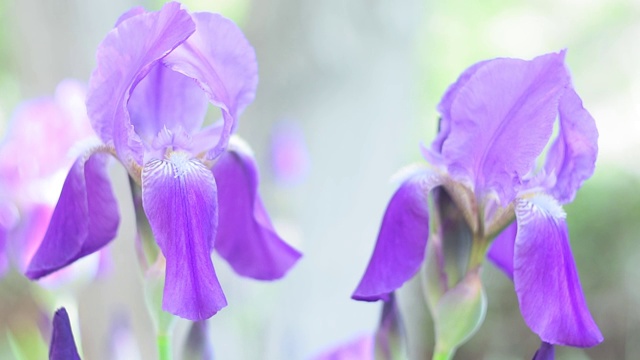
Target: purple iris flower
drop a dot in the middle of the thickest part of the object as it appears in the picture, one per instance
(63, 346)
(496, 121)
(156, 74)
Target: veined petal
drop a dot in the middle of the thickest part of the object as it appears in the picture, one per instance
(246, 238)
(63, 346)
(546, 352)
(444, 107)
(400, 248)
(165, 98)
(124, 57)
(501, 120)
(572, 157)
(179, 198)
(501, 250)
(84, 220)
(222, 61)
(545, 276)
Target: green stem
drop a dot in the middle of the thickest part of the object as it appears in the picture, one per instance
(164, 347)
(478, 252)
(443, 355)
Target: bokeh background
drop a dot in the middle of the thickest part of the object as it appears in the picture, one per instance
(358, 81)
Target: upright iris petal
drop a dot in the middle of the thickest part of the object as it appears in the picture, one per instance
(126, 56)
(220, 59)
(179, 198)
(444, 107)
(166, 99)
(501, 120)
(572, 156)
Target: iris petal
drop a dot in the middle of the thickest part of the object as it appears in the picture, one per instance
(501, 250)
(546, 352)
(124, 57)
(84, 220)
(165, 98)
(501, 120)
(222, 61)
(63, 346)
(572, 157)
(179, 198)
(246, 238)
(546, 279)
(402, 239)
(444, 107)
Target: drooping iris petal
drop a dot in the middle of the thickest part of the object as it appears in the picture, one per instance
(572, 157)
(85, 218)
(223, 62)
(545, 276)
(246, 238)
(501, 250)
(124, 57)
(546, 352)
(501, 120)
(63, 346)
(179, 198)
(402, 239)
(165, 98)
(444, 107)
